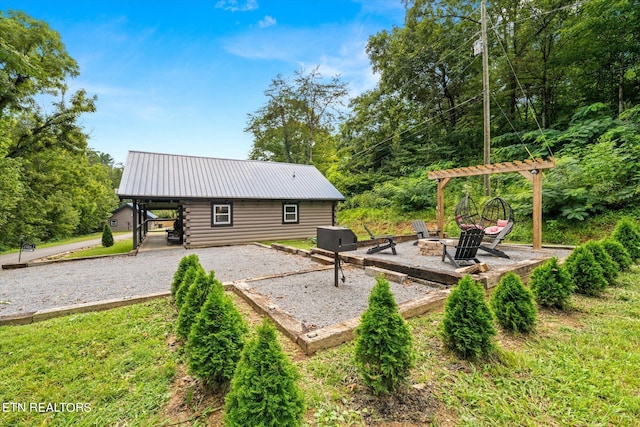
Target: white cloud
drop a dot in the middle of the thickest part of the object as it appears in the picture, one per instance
(236, 6)
(267, 21)
(336, 50)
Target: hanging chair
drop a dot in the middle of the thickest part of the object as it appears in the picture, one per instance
(497, 215)
(467, 214)
(497, 221)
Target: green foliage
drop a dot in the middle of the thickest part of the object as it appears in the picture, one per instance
(551, 284)
(585, 272)
(627, 233)
(513, 305)
(185, 284)
(107, 236)
(264, 389)
(53, 187)
(467, 324)
(216, 339)
(609, 267)
(193, 301)
(618, 254)
(384, 345)
(183, 266)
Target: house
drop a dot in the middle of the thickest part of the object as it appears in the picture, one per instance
(224, 202)
(122, 218)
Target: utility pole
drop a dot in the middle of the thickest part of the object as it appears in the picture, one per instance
(485, 90)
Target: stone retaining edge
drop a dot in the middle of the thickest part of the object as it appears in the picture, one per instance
(38, 316)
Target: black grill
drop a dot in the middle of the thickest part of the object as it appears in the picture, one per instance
(336, 240)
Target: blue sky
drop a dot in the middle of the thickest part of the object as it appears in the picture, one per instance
(181, 77)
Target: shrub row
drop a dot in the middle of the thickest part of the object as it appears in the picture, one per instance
(263, 382)
(468, 328)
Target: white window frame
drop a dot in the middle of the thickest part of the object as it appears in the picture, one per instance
(215, 222)
(286, 214)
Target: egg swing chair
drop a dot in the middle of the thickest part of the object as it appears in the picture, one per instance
(497, 221)
(466, 214)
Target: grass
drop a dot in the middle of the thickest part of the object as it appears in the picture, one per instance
(581, 367)
(120, 247)
(69, 240)
(116, 364)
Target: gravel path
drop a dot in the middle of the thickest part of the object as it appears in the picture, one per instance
(313, 299)
(66, 283)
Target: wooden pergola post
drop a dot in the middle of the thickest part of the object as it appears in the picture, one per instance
(530, 169)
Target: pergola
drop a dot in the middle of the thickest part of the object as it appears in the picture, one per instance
(530, 169)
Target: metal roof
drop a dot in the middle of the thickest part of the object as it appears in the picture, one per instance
(154, 175)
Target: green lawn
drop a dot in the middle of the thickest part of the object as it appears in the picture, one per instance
(120, 247)
(580, 368)
(69, 240)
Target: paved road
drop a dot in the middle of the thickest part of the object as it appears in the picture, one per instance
(54, 250)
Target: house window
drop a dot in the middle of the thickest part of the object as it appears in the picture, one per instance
(221, 214)
(113, 223)
(290, 213)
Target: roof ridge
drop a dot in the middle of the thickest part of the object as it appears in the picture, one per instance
(220, 158)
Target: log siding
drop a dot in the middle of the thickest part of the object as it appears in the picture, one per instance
(253, 220)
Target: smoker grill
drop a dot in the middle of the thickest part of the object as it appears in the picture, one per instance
(336, 240)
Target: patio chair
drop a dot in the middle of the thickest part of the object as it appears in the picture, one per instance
(421, 231)
(389, 243)
(497, 221)
(466, 248)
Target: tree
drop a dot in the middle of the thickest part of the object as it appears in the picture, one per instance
(513, 304)
(107, 236)
(618, 253)
(264, 389)
(193, 302)
(187, 280)
(384, 345)
(184, 264)
(216, 339)
(585, 272)
(297, 119)
(609, 267)
(467, 324)
(551, 284)
(626, 232)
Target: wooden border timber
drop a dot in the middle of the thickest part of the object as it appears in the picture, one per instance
(530, 169)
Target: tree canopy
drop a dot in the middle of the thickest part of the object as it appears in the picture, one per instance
(53, 185)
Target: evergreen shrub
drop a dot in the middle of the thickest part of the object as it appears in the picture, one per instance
(193, 302)
(513, 304)
(467, 325)
(627, 233)
(187, 280)
(384, 346)
(183, 266)
(107, 236)
(216, 339)
(618, 253)
(551, 284)
(609, 267)
(264, 389)
(585, 272)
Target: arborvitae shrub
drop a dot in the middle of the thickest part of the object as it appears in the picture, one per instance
(513, 305)
(618, 253)
(609, 268)
(551, 284)
(107, 236)
(183, 266)
(216, 339)
(585, 272)
(626, 232)
(468, 328)
(187, 280)
(264, 389)
(193, 302)
(384, 345)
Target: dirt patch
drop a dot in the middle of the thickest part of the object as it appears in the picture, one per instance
(412, 406)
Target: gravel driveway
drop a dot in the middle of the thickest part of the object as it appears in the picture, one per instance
(73, 282)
